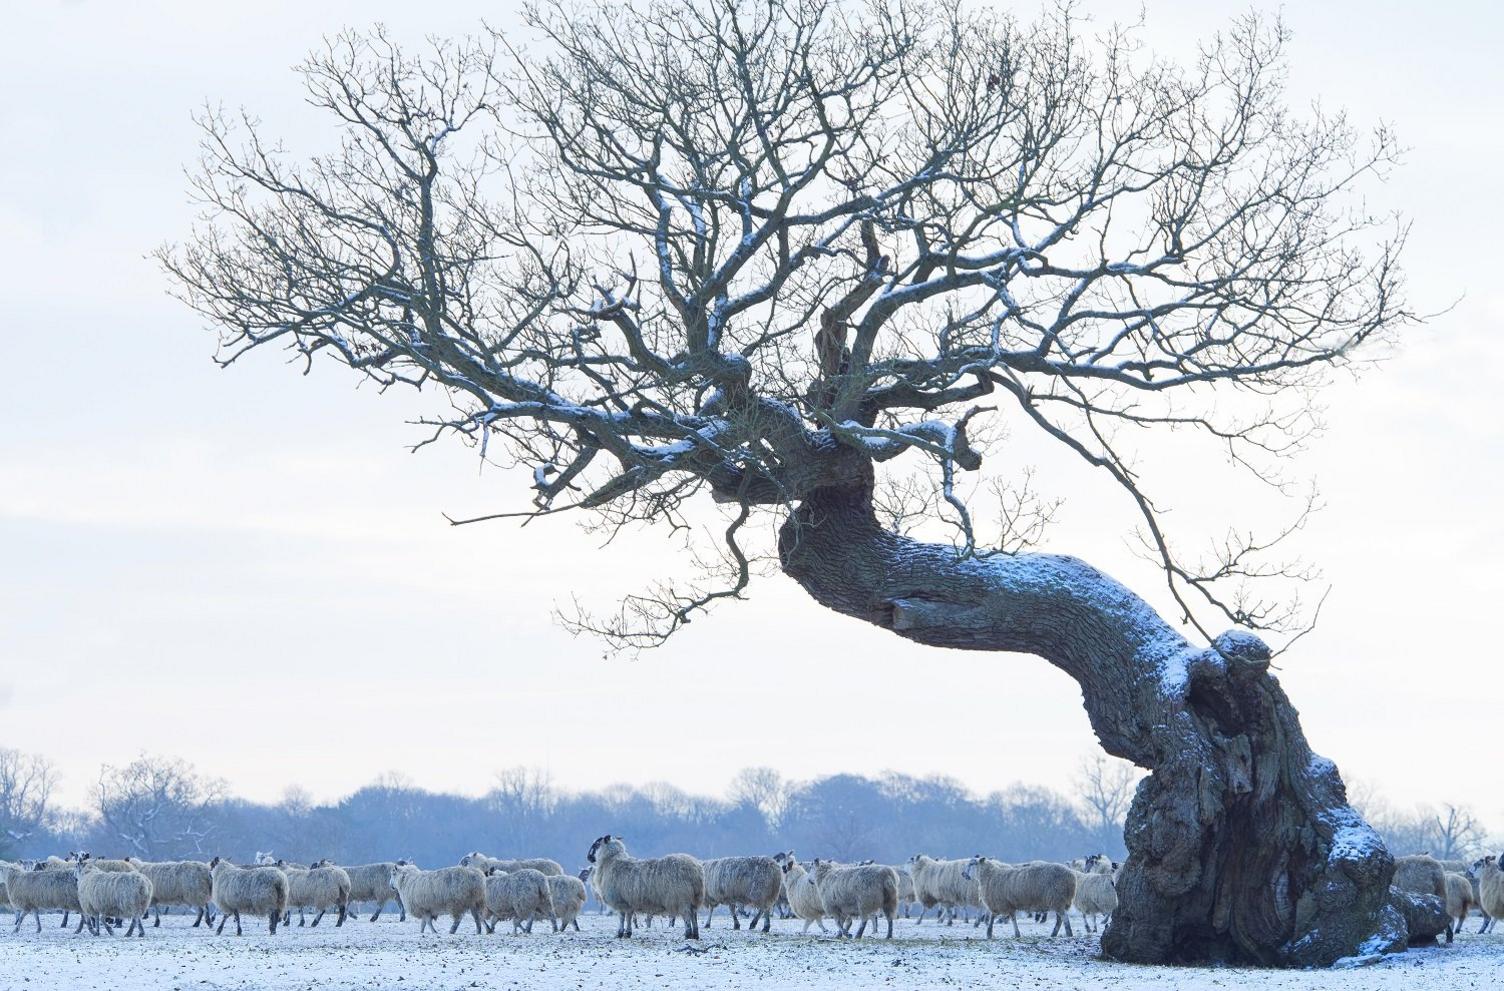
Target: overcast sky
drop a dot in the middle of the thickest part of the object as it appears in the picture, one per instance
(246, 569)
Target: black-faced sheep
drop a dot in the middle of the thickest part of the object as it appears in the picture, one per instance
(673, 885)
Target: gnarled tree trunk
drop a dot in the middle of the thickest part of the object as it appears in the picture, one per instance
(1241, 844)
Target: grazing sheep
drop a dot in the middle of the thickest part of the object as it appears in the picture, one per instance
(943, 883)
(673, 885)
(178, 882)
(521, 896)
(861, 892)
(738, 881)
(45, 888)
(252, 890)
(567, 895)
(1459, 897)
(1490, 890)
(108, 866)
(105, 895)
(483, 864)
(373, 883)
(1035, 887)
(804, 897)
(1096, 894)
(452, 891)
(321, 886)
(1421, 874)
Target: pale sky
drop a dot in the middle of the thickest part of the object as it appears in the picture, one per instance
(245, 568)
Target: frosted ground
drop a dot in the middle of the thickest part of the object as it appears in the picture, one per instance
(389, 954)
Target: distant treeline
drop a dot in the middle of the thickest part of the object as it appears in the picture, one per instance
(160, 809)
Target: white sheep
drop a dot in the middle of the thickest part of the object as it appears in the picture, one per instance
(187, 883)
(943, 883)
(1096, 894)
(452, 891)
(1459, 897)
(45, 887)
(1490, 890)
(321, 887)
(861, 892)
(1035, 887)
(673, 885)
(105, 895)
(373, 883)
(567, 895)
(737, 881)
(521, 896)
(483, 863)
(252, 890)
(804, 897)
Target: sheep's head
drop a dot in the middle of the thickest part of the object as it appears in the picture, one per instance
(918, 858)
(606, 846)
(1483, 864)
(969, 872)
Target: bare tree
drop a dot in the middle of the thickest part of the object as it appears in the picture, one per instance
(522, 798)
(777, 254)
(156, 808)
(1104, 788)
(26, 783)
(1458, 833)
(764, 789)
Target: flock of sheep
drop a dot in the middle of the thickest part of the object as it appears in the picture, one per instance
(110, 893)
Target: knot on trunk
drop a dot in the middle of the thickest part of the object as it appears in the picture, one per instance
(1245, 653)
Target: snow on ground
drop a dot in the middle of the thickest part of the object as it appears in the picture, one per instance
(389, 954)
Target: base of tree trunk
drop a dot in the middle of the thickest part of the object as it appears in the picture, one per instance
(1242, 847)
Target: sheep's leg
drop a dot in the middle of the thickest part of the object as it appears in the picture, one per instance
(989, 925)
(890, 924)
(767, 921)
(301, 918)
(1449, 930)
(77, 929)
(736, 916)
(377, 914)
(709, 914)
(316, 919)
(223, 918)
(63, 926)
(237, 924)
(343, 911)
(621, 926)
(861, 929)
(1013, 917)
(157, 921)
(576, 922)
(1056, 931)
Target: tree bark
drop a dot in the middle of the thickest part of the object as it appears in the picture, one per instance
(1242, 846)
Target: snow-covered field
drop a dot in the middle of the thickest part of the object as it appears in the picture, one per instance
(389, 954)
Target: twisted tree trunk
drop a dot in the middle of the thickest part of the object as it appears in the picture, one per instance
(1241, 844)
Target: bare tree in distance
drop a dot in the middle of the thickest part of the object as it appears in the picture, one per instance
(156, 808)
(764, 789)
(26, 783)
(1104, 788)
(798, 257)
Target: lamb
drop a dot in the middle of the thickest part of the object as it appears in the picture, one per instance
(373, 883)
(567, 895)
(673, 885)
(321, 886)
(105, 895)
(521, 896)
(1035, 887)
(252, 890)
(738, 881)
(1422, 875)
(1490, 890)
(483, 864)
(861, 892)
(1096, 894)
(943, 883)
(45, 888)
(178, 882)
(452, 891)
(804, 896)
